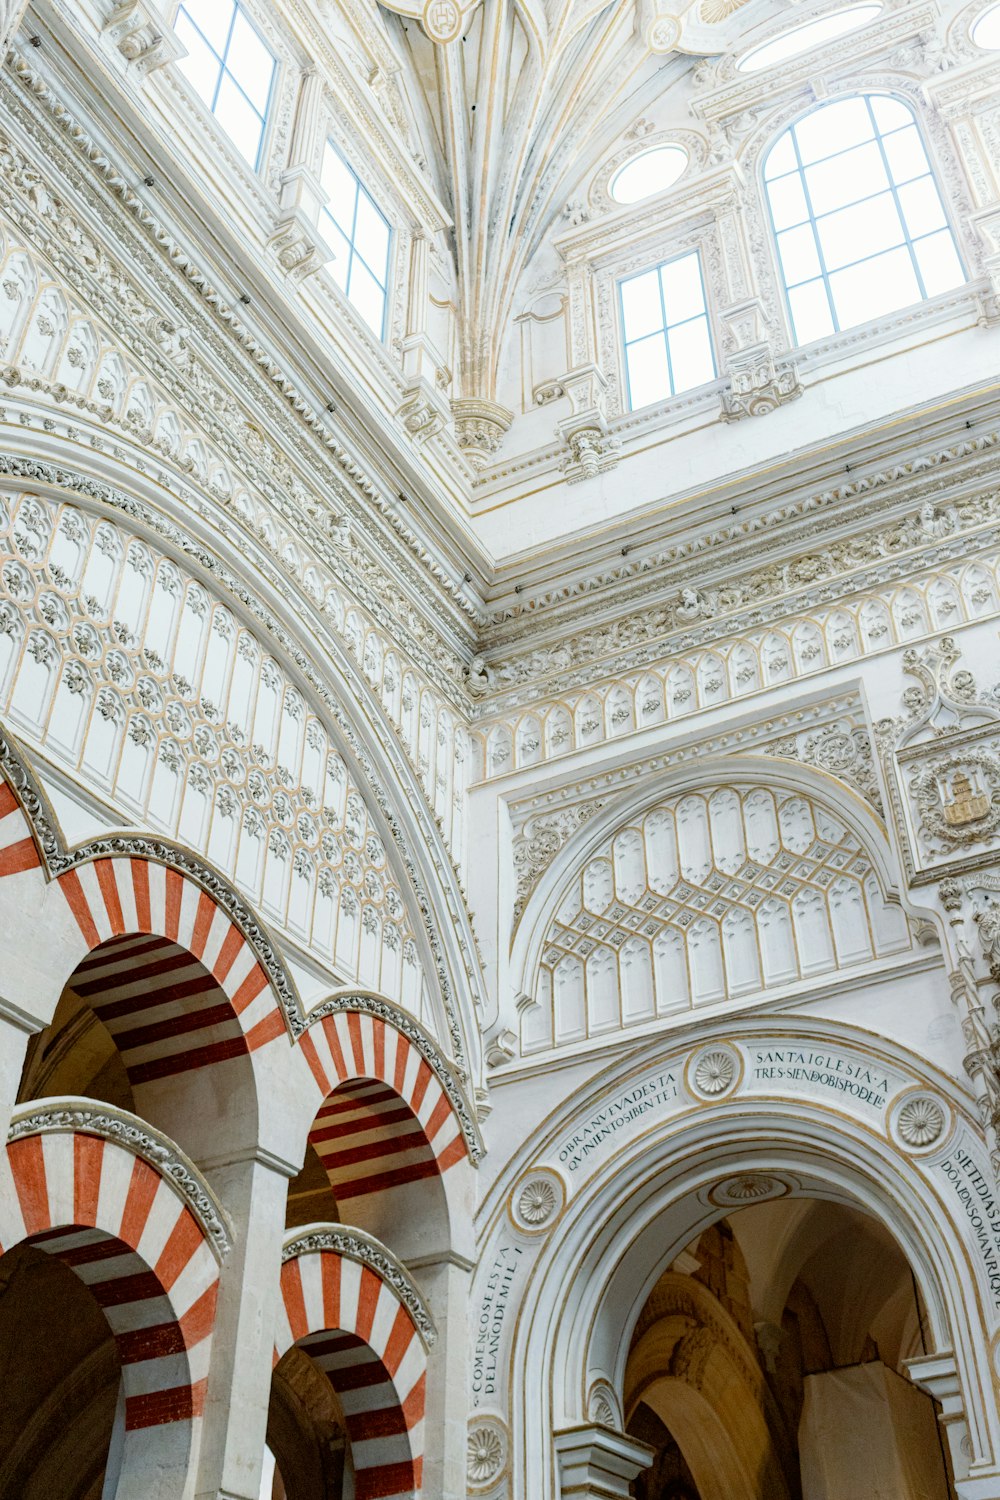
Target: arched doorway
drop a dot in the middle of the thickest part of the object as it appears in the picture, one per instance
(770, 1360)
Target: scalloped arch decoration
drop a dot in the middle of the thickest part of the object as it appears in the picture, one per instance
(707, 897)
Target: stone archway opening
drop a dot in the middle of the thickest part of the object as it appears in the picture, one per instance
(770, 1360)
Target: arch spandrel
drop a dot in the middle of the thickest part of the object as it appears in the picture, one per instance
(722, 887)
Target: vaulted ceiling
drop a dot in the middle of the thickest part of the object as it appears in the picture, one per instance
(517, 101)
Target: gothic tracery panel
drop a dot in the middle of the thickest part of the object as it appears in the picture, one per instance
(710, 896)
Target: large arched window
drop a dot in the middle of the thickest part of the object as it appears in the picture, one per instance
(857, 215)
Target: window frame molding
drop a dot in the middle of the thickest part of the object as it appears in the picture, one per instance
(902, 315)
(273, 88)
(390, 258)
(625, 393)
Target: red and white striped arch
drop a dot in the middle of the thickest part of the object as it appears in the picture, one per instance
(18, 850)
(172, 977)
(128, 1235)
(356, 1329)
(385, 1118)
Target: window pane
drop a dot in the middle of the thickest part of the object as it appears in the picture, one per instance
(366, 294)
(788, 201)
(213, 19)
(875, 286)
(846, 178)
(341, 247)
(799, 259)
(939, 263)
(865, 229)
(648, 378)
(201, 68)
(906, 155)
(890, 114)
(835, 127)
(683, 293)
(921, 205)
(339, 181)
(810, 310)
(241, 123)
(250, 63)
(641, 309)
(691, 355)
(781, 158)
(371, 237)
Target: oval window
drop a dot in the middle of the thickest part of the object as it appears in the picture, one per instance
(986, 30)
(809, 34)
(654, 170)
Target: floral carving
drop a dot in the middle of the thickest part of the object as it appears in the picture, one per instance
(714, 1072)
(486, 1452)
(920, 1121)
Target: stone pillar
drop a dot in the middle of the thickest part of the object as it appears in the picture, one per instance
(596, 1463)
(16, 1030)
(445, 1281)
(252, 1188)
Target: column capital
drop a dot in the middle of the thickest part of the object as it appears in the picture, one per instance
(596, 1463)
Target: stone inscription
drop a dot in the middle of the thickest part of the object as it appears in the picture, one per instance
(492, 1312)
(980, 1210)
(821, 1071)
(614, 1118)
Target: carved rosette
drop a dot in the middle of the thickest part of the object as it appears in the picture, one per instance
(714, 1072)
(920, 1122)
(486, 1452)
(537, 1201)
(748, 1188)
(603, 1406)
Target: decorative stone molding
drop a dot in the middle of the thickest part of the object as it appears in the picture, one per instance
(842, 749)
(487, 1449)
(539, 841)
(403, 1022)
(421, 411)
(138, 31)
(714, 1072)
(537, 1201)
(297, 246)
(480, 426)
(920, 1121)
(603, 1406)
(83, 1116)
(356, 1245)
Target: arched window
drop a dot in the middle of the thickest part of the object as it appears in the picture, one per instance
(857, 216)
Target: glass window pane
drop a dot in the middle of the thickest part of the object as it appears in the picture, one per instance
(835, 127)
(876, 286)
(939, 264)
(683, 293)
(201, 67)
(342, 187)
(641, 309)
(788, 201)
(648, 378)
(862, 230)
(921, 205)
(213, 19)
(810, 309)
(371, 237)
(240, 122)
(250, 62)
(799, 258)
(691, 354)
(781, 157)
(890, 114)
(846, 178)
(341, 247)
(906, 155)
(366, 294)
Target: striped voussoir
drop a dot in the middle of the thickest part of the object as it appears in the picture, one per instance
(353, 1325)
(385, 1118)
(128, 1237)
(170, 975)
(18, 850)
